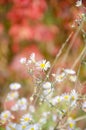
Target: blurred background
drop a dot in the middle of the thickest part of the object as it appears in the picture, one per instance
(39, 26)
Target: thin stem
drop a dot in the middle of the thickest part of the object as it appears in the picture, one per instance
(79, 57)
(72, 42)
(60, 52)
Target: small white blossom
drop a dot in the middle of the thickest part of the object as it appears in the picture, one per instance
(34, 127)
(79, 3)
(23, 60)
(22, 127)
(73, 95)
(43, 65)
(69, 71)
(11, 126)
(31, 108)
(12, 95)
(59, 77)
(26, 119)
(5, 116)
(71, 123)
(47, 85)
(22, 104)
(15, 107)
(66, 97)
(73, 78)
(15, 86)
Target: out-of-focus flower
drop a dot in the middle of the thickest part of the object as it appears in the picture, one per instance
(22, 103)
(12, 96)
(11, 126)
(79, 3)
(15, 86)
(66, 97)
(84, 106)
(73, 95)
(31, 108)
(59, 77)
(23, 60)
(34, 127)
(73, 78)
(27, 118)
(43, 65)
(46, 85)
(15, 107)
(71, 123)
(5, 116)
(31, 59)
(22, 127)
(69, 71)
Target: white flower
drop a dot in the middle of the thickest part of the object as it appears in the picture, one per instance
(56, 100)
(31, 108)
(73, 95)
(15, 107)
(12, 96)
(43, 65)
(66, 97)
(15, 86)
(59, 77)
(22, 103)
(79, 3)
(47, 85)
(34, 127)
(71, 123)
(11, 126)
(84, 106)
(69, 71)
(73, 78)
(23, 60)
(22, 127)
(5, 116)
(26, 119)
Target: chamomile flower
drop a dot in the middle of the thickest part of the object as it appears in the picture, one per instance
(12, 95)
(73, 95)
(5, 116)
(79, 3)
(23, 60)
(15, 86)
(47, 85)
(84, 106)
(56, 100)
(11, 126)
(71, 123)
(66, 97)
(34, 127)
(22, 104)
(73, 78)
(59, 77)
(22, 127)
(69, 71)
(26, 119)
(15, 107)
(43, 65)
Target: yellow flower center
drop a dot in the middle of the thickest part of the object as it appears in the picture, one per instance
(26, 119)
(72, 97)
(71, 125)
(42, 65)
(32, 129)
(5, 115)
(66, 97)
(23, 126)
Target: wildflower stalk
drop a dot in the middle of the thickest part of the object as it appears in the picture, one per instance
(72, 42)
(77, 119)
(59, 53)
